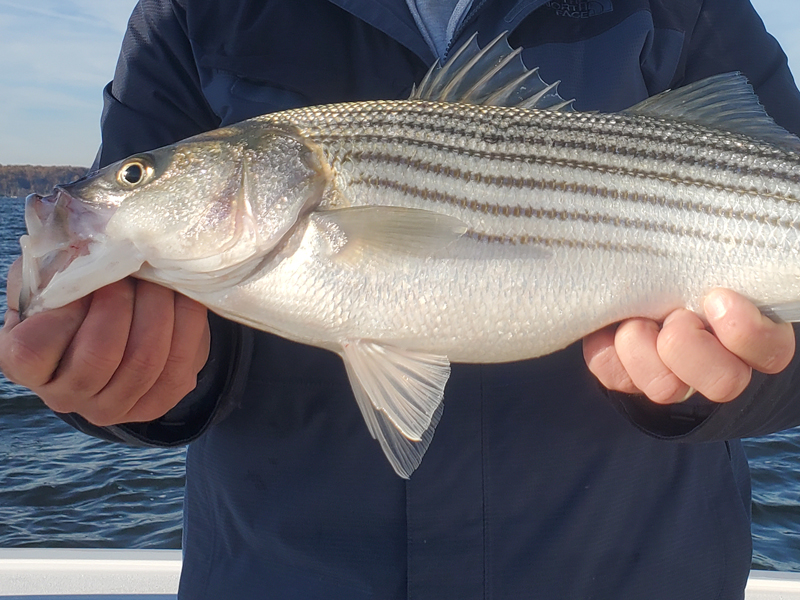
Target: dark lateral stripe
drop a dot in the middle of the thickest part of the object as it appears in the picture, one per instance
(610, 130)
(510, 182)
(550, 242)
(587, 217)
(543, 160)
(573, 244)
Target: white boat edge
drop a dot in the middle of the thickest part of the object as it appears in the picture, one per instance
(112, 574)
(89, 574)
(773, 585)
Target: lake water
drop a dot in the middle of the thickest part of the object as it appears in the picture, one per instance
(60, 488)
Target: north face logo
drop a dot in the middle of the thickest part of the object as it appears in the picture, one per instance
(580, 9)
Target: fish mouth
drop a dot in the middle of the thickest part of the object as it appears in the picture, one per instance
(61, 231)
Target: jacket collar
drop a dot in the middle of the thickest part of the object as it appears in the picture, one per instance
(392, 17)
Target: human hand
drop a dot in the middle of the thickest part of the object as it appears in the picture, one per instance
(128, 352)
(668, 362)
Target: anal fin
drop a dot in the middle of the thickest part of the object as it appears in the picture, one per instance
(400, 395)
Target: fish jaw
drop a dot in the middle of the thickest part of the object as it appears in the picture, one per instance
(66, 254)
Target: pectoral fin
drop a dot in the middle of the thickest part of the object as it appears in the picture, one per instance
(400, 395)
(388, 229)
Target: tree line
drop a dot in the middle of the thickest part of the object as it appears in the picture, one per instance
(21, 180)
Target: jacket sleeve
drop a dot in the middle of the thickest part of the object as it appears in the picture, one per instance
(730, 36)
(156, 96)
(156, 99)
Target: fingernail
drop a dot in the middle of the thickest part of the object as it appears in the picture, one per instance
(715, 306)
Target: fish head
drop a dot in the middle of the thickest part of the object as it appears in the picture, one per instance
(190, 215)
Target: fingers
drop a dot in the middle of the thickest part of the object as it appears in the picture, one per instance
(637, 344)
(601, 357)
(97, 348)
(667, 362)
(166, 347)
(30, 351)
(188, 352)
(14, 284)
(129, 352)
(740, 327)
(698, 358)
(141, 357)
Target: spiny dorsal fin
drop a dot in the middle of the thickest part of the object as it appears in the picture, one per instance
(491, 76)
(726, 102)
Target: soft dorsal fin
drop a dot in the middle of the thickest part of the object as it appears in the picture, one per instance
(726, 102)
(491, 76)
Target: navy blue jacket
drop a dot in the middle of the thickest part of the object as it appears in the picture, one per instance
(538, 483)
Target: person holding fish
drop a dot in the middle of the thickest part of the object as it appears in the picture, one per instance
(611, 279)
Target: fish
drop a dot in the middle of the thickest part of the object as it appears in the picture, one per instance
(482, 220)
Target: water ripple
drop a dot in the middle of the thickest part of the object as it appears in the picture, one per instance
(775, 465)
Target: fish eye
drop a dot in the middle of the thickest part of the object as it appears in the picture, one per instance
(134, 172)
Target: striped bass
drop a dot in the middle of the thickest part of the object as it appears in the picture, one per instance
(404, 235)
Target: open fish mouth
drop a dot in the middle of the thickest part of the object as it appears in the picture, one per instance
(62, 233)
(49, 247)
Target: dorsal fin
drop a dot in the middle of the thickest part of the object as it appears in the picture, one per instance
(491, 76)
(726, 102)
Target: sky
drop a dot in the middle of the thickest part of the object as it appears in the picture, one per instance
(56, 56)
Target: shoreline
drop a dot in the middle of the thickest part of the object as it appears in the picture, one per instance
(20, 180)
